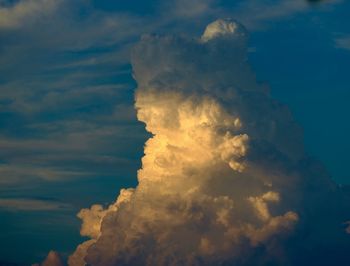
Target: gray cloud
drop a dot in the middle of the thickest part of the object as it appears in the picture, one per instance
(60, 101)
(21, 204)
(257, 14)
(343, 42)
(22, 13)
(63, 149)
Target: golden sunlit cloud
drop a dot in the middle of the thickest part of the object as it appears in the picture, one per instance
(224, 174)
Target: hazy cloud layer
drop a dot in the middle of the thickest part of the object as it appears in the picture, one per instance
(224, 179)
(267, 11)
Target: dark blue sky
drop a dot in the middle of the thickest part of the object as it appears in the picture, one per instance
(69, 134)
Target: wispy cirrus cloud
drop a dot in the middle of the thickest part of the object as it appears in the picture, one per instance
(256, 14)
(25, 12)
(27, 204)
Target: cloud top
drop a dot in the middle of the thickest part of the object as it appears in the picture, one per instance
(223, 28)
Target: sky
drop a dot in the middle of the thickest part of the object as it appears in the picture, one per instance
(69, 132)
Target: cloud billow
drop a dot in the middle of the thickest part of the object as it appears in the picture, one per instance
(224, 179)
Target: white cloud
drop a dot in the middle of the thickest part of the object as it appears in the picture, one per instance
(222, 28)
(107, 29)
(214, 182)
(224, 173)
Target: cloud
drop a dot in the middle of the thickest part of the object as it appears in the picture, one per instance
(63, 117)
(51, 82)
(191, 8)
(225, 179)
(343, 43)
(348, 227)
(31, 205)
(255, 14)
(66, 150)
(25, 12)
(16, 173)
(52, 259)
(72, 76)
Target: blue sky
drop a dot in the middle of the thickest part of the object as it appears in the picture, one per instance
(68, 131)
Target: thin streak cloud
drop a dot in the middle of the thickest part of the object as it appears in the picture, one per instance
(25, 12)
(21, 204)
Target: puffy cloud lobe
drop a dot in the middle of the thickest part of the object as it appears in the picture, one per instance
(78, 258)
(92, 217)
(222, 28)
(224, 178)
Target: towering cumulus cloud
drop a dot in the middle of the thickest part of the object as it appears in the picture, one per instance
(224, 179)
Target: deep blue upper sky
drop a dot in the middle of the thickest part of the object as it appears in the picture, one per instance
(69, 134)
